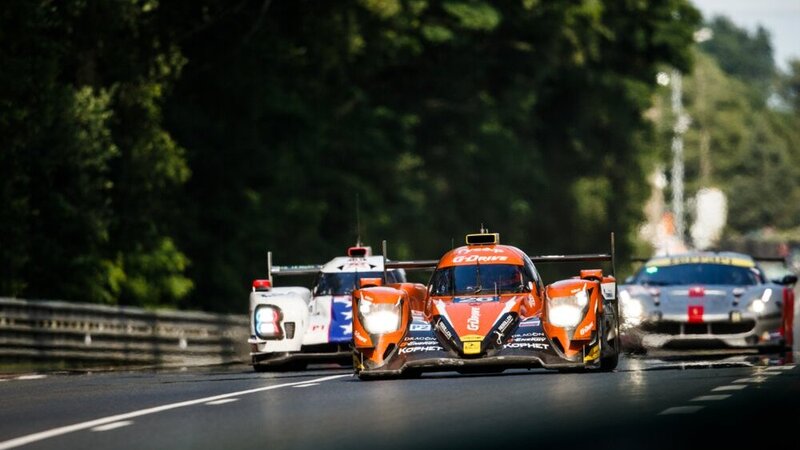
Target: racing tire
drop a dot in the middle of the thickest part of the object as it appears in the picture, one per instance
(609, 357)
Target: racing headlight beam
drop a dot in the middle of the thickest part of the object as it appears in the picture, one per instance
(567, 312)
(757, 306)
(267, 321)
(380, 318)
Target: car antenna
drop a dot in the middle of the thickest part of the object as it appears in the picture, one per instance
(383, 252)
(358, 221)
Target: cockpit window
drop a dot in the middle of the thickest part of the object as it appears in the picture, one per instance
(344, 283)
(480, 279)
(721, 274)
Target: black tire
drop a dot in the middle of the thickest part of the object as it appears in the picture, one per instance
(609, 350)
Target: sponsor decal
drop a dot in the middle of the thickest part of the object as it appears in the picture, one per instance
(420, 327)
(586, 329)
(419, 342)
(608, 290)
(499, 337)
(475, 299)
(474, 321)
(529, 339)
(724, 260)
(420, 349)
(468, 250)
(443, 329)
(472, 348)
(360, 337)
(530, 323)
(505, 323)
(478, 258)
(472, 337)
(529, 333)
(527, 346)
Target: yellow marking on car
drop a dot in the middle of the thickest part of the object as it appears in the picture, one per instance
(472, 348)
(677, 260)
(593, 354)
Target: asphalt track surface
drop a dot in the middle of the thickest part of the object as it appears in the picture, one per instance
(680, 400)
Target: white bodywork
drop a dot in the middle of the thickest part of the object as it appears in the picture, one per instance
(319, 319)
(294, 303)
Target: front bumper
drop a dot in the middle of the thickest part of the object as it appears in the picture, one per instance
(720, 332)
(336, 353)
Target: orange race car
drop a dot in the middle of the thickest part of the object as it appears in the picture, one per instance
(486, 309)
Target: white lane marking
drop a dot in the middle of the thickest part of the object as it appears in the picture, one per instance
(681, 410)
(113, 425)
(789, 367)
(768, 374)
(42, 435)
(711, 398)
(305, 385)
(731, 387)
(222, 402)
(31, 377)
(751, 380)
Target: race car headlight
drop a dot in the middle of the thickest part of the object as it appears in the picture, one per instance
(379, 318)
(757, 306)
(566, 312)
(760, 304)
(267, 321)
(632, 309)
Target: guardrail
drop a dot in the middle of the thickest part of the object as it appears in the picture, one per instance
(60, 332)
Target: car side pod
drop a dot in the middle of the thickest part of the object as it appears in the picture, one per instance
(572, 315)
(381, 316)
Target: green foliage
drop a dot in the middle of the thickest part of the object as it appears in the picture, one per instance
(737, 141)
(211, 131)
(746, 56)
(88, 173)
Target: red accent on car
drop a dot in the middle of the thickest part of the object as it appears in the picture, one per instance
(695, 313)
(697, 291)
(357, 252)
(262, 285)
(788, 316)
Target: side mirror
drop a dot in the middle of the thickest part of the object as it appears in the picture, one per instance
(788, 280)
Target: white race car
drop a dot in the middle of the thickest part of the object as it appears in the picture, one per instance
(297, 325)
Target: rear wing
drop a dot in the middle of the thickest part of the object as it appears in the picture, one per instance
(431, 264)
(309, 269)
(423, 264)
(600, 257)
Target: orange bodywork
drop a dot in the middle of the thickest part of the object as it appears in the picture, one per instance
(474, 320)
(483, 254)
(573, 340)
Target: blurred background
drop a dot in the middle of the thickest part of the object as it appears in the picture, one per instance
(151, 152)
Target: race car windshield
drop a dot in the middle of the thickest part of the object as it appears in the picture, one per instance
(697, 274)
(345, 283)
(479, 279)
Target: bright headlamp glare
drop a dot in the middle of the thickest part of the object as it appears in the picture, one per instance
(567, 312)
(380, 318)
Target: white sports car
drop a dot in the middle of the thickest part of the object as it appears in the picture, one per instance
(297, 325)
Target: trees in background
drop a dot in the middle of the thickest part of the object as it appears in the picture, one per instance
(155, 147)
(745, 133)
(89, 176)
